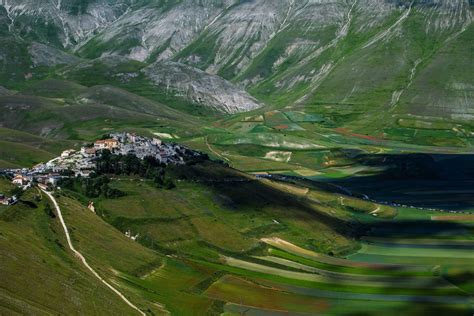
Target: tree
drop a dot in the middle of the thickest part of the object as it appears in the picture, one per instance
(168, 184)
(16, 191)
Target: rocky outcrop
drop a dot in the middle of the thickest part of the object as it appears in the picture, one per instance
(43, 55)
(371, 53)
(199, 87)
(157, 32)
(65, 23)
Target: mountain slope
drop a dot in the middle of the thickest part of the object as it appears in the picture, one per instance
(67, 111)
(38, 250)
(155, 31)
(286, 52)
(199, 87)
(223, 241)
(62, 23)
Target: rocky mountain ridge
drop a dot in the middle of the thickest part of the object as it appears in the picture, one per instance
(283, 52)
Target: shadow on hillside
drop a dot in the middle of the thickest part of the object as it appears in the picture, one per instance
(436, 181)
(236, 192)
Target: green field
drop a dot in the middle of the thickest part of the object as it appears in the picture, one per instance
(209, 247)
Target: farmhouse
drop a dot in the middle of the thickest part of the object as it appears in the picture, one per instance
(132, 137)
(20, 180)
(8, 201)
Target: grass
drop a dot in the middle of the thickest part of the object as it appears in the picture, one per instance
(342, 279)
(263, 276)
(414, 251)
(208, 217)
(32, 242)
(237, 290)
(17, 154)
(402, 271)
(194, 223)
(5, 185)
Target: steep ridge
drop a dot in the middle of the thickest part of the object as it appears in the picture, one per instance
(283, 52)
(418, 36)
(230, 44)
(154, 31)
(61, 22)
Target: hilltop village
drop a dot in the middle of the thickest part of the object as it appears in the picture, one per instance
(82, 163)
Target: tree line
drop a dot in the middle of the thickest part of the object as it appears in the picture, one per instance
(93, 187)
(148, 168)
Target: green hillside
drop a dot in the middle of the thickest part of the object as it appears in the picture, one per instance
(210, 246)
(340, 135)
(37, 255)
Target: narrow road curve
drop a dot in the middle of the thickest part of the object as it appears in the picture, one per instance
(215, 152)
(83, 260)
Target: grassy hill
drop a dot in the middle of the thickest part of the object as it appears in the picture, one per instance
(50, 115)
(223, 241)
(34, 251)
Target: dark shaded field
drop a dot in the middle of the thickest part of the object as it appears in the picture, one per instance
(421, 180)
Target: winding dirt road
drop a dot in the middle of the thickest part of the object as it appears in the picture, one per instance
(83, 260)
(215, 152)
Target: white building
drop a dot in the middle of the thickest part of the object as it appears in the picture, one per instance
(20, 180)
(67, 153)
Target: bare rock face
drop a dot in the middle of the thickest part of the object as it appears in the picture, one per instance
(368, 52)
(199, 87)
(43, 55)
(64, 23)
(157, 32)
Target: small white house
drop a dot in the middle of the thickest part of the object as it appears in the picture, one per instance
(156, 141)
(20, 180)
(53, 180)
(67, 153)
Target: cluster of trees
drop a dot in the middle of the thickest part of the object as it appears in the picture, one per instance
(16, 191)
(92, 187)
(149, 168)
